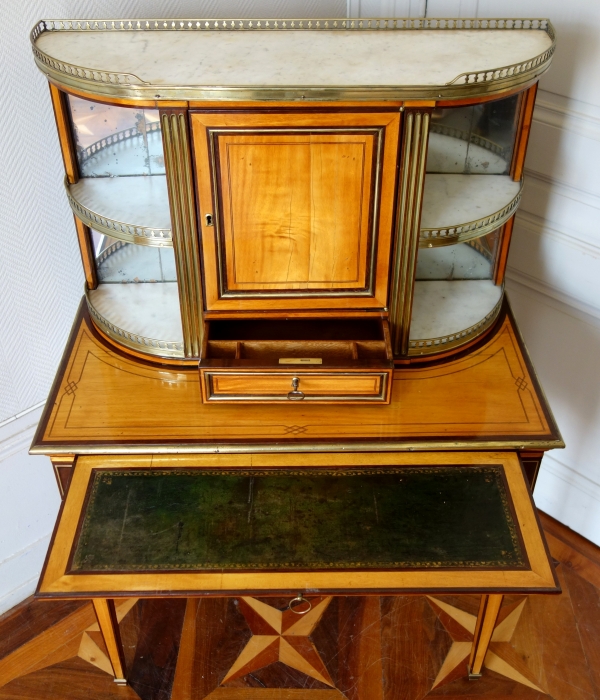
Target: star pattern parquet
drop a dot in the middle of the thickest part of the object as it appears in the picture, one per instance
(358, 648)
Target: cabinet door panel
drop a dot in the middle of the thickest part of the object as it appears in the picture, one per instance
(296, 210)
(301, 207)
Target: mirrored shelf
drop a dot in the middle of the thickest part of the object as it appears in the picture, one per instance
(453, 150)
(461, 207)
(133, 209)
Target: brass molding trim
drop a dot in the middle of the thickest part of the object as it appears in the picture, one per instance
(434, 237)
(428, 346)
(213, 397)
(295, 446)
(131, 233)
(139, 343)
(127, 85)
(176, 146)
(410, 196)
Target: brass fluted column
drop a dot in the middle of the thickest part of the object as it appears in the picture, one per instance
(410, 197)
(176, 144)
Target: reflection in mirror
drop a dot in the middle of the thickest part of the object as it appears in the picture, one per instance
(454, 289)
(474, 139)
(112, 141)
(471, 260)
(118, 261)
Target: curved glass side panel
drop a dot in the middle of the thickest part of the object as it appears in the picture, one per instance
(112, 141)
(137, 300)
(477, 139)
(118, 261)
(455, 297)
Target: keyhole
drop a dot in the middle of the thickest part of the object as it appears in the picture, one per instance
(209, 219)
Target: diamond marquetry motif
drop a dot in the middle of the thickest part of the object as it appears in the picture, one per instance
(460, 625)
(280, 636)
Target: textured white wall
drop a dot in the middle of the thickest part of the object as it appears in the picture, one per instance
(554, 274)
(41, 281)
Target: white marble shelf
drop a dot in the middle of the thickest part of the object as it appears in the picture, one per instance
(442, 308)
(224, 57)
(134, 209)
(460, 207)
(144, 316)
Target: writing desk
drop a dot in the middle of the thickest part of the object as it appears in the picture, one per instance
(256, 524)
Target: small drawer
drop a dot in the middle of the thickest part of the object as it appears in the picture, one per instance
(343, 386)
(297, 361)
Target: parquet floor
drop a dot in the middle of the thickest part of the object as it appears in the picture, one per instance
(403, 648)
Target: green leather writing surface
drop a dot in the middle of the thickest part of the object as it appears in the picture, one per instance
(375, 518)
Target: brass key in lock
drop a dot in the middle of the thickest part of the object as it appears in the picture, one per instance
(295, 394)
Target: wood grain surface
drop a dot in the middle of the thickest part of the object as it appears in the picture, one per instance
(298, 202)
(106, 401)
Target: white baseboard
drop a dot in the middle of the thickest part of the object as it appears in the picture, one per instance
(570, 497)
(19, 573)
(16, 433)
(28, 505)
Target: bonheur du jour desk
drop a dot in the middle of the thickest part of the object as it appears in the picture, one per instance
(294, 236)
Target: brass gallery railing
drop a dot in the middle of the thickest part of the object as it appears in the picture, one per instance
(467, 84)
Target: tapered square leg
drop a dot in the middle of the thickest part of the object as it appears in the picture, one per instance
(484, 628)
(109, 626)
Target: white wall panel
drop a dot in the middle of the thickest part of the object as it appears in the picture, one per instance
(386, 8)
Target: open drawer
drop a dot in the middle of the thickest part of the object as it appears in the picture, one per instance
(297, 360)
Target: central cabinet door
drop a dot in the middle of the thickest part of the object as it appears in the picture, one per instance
(296, 209)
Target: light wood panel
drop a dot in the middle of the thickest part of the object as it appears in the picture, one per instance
(296, 210)
(104, 401)
(299, 202)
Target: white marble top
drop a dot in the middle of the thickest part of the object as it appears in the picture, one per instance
(441, 308)
(451, 200)
(295, 58)
(139, 200)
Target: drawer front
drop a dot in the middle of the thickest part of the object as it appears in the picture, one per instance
(325, 387)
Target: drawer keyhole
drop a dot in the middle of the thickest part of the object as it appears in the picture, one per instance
(295, 394)
(209, 219)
